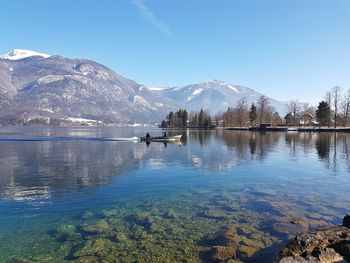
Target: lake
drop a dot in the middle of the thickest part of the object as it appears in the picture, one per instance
(68, 195)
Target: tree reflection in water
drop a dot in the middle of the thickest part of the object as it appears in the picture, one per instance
(34, 169)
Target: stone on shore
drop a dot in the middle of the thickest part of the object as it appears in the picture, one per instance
(330, 244)
(346, 221)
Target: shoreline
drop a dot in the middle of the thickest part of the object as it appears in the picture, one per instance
(289, 129)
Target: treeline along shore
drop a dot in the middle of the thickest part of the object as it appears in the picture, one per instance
(330, 115)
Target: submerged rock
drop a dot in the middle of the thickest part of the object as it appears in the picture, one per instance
(223, 253)
(20, 260)
(215, 213)
(227, 237)
(100, 227)
(66, 232)
(244, 241)
(291, 225)
(87, 215)
(66, 228)
(98, 248)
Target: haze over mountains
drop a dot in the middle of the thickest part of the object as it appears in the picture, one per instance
(35, 85)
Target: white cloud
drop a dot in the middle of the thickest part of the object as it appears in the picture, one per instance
(150, 17)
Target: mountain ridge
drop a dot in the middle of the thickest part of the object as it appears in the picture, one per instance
(215, 94)
(34, 84)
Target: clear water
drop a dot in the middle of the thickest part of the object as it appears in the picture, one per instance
(69, 195)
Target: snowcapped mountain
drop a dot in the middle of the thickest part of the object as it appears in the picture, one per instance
(39, 85)
(17, 54)
(214, 95)
(35, 85)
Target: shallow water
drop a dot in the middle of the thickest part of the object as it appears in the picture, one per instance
(70, 195)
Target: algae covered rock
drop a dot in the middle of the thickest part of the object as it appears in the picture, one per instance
(223, 253)
(67, 232)
(227, 237)
(20, 260)
(215, 213)
(66, 228)
(100, 227)
(246, 251)
(87, 215)
(170, 214)
(98, 248)
(121, 237)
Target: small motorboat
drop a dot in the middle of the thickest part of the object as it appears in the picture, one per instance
(174, 138)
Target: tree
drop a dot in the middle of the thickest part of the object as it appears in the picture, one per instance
(176, 119)
(184, 118)
(336, 92)
(241, 111)
(252, 114)
(294, 110)
(307, 110)
(276, 119)
(328, 99)
(171, 118)
(323, 113)
(201, 118)
(263, 103)
(346, 107)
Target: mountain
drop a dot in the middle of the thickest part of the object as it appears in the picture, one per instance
(214, 96)
(40, 86)
(35, 85)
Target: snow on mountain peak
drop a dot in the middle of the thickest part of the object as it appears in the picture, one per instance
(18, 54)
(221, 83)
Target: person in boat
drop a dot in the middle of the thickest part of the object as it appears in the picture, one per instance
(148, 135)
(164, 135)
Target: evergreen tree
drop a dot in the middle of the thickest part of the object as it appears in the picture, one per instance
(252, 114)
(171, 118)
(323, 113)
(184, 118)
(201, 118)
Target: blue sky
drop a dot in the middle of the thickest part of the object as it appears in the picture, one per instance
(286, 49)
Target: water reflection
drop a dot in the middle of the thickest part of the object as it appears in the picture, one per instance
(61, 165)
(33, 170)
(323, 146)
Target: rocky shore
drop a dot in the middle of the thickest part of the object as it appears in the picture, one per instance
(331, 244)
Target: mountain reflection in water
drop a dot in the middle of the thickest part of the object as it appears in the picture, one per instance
(33, 169)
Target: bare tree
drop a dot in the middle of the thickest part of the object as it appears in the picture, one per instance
(336, 94)
(294, 109)
(307, 109)
(345, 107)
(263, 103)
(328, 99)
(242, 112)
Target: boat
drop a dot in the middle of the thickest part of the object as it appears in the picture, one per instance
(174, 138)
